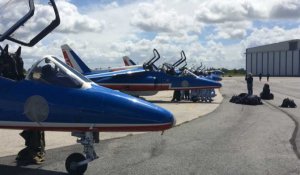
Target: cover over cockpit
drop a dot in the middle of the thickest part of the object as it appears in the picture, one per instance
(51, 70)
(187, 73)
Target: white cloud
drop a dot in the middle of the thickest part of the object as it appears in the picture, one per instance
(231, 30)
(156, 17)
(74, 22)
(215, 11)
(270, 35)
(111, 5)
(102, 34)
(231, 19)
(286, 9)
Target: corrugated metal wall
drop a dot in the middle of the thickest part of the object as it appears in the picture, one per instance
(276, 63)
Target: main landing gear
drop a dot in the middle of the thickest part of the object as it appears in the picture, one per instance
(76, 163)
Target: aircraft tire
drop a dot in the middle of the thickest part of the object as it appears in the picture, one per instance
(74, 159)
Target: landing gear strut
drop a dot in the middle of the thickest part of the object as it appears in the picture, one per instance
(76, 163)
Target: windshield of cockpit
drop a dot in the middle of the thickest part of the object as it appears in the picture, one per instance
(187, 73)
(168, 69)
(50, 72)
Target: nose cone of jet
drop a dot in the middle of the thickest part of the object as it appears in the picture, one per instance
(126, 113)
(211, 83)
(216, 78)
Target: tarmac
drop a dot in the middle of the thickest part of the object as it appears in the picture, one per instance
(183, 111)
(232, 139)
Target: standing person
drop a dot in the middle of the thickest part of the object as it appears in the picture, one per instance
(34, 152)
(260, 75)
(249, 80)
(268, 76)
(187, 94)
(176, 95)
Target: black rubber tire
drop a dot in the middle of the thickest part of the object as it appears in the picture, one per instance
(194, 99)
(75, 158)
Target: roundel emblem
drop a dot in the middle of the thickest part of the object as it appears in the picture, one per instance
(184, 83)
(36, 108)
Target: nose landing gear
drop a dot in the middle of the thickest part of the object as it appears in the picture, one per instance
(76, 163)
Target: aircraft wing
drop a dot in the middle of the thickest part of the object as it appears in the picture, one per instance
(116, 73)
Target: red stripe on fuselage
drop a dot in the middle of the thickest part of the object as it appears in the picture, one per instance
(128, 87)
(196, 88)
(159, 87)
(116, 69)
(105, 129)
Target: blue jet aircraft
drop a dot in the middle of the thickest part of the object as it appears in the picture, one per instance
(55, 97)
(204, 95)
(141, 81)
(211, 75)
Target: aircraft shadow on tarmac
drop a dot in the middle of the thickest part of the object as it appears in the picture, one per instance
(17, 170)
(8, 166)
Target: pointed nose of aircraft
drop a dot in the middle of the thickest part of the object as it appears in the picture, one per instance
(126, 113)
(211, 83)
(215, 78)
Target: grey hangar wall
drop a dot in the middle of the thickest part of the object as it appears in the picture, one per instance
(278, 59)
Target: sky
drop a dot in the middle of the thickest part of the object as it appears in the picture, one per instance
(214, 32)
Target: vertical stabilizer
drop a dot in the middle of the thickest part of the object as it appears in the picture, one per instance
(73, 60)
(128, 61)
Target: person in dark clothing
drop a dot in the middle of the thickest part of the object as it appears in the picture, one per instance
(268, 76)
(260, 75)
(176, 95)
(187, 94)
(34, 152)
(249, 80)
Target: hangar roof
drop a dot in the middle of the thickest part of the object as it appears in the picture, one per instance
(289, 45)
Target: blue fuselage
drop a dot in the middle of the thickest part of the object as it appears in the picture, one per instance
(153, 81)
(30, 104)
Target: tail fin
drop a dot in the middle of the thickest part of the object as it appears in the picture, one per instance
(128, 61)
(73, 60)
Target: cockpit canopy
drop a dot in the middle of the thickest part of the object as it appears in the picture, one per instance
(51, 70)
(169, 69)
(187, 73)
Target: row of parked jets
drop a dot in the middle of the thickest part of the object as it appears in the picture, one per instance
(55, 96)
(145, 79)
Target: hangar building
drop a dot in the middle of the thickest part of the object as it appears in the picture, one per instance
(278, 59)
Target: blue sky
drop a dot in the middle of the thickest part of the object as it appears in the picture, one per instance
(214, 32)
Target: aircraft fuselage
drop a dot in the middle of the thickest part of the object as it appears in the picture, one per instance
(154, 81)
